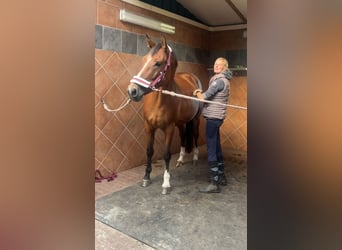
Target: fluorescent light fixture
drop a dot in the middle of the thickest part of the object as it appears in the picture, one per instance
(129, 17)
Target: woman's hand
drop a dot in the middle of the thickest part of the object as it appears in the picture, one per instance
(198, 93)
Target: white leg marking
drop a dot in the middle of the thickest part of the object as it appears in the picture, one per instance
(166, 182)
(180, 160)
(196, 153)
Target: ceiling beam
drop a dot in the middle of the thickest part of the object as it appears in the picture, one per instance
(236, 10)
(183, 19)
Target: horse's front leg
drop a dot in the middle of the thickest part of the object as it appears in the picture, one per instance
(149, 152)
(166, 187)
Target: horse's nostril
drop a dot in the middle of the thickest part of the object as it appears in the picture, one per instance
(134, 92)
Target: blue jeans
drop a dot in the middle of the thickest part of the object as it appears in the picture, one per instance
(212, 133)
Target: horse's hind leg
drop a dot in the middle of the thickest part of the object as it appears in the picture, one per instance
(166, 187)
(195, 157)
(180, 160)
(149, 152)
(196, 123)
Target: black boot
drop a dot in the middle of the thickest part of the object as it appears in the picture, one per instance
(222, 180)
(213, 187)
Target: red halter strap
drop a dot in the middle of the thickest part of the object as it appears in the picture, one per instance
(148, 84)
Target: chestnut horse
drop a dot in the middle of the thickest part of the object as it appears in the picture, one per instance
(165, 112)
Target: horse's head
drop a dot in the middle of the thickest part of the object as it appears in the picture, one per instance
(159, 66)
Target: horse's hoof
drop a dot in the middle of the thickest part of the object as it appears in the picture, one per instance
(179, 164)
(145, 183)
(166, 190)
(194, 163)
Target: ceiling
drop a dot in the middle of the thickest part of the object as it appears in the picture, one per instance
(218, 12)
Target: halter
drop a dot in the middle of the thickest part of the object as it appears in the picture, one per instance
(148, 84)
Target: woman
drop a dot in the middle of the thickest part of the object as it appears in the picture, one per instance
(218, 91)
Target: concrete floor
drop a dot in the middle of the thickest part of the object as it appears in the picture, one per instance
(108, 238)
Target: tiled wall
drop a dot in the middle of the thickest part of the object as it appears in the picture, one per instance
(120, 140)
(230, 44)
(108, 38)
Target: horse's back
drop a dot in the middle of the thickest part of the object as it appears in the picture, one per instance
(187, 82)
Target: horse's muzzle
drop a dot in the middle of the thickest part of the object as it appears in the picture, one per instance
(134, 92)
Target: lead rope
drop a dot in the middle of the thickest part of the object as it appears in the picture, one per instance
(123, 104)
(196, 99)
(128, 100)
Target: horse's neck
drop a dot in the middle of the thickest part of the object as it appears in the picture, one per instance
(157, 98)
(170, 86)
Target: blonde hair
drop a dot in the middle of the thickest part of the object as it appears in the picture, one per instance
(224, 60)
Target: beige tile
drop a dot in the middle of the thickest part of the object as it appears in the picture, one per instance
(114, 67)
(123, 81)
(102, 116)
(113, 159)
(102, 147)
(114, 97)
(102, 55)
(102, 83)
(127, 114)
(106, 14)
(113, 129)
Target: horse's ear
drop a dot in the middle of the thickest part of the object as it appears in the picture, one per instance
(163, 42)
(150, 43)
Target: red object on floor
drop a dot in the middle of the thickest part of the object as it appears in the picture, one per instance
(99, 177)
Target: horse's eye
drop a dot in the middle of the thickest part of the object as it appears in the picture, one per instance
(158, 64)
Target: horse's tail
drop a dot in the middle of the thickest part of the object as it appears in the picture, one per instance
(192, 127)
(199, 83)
(189, 142)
